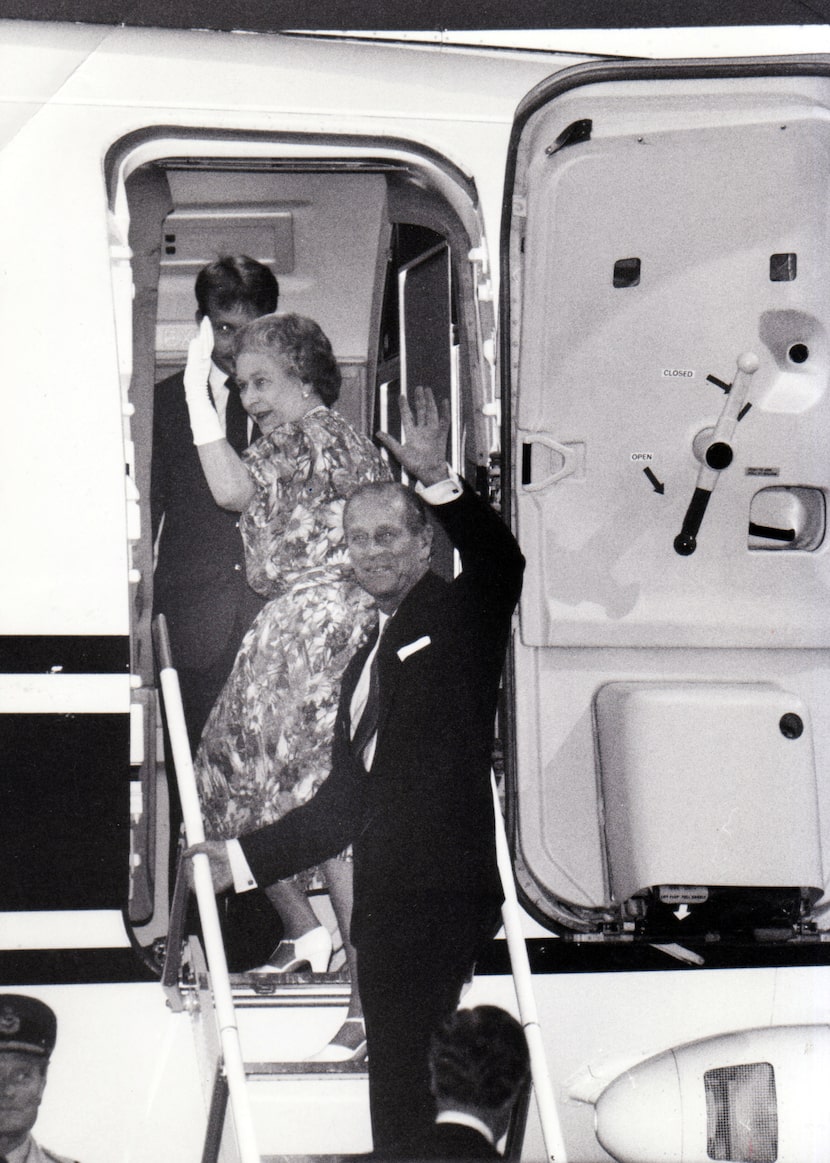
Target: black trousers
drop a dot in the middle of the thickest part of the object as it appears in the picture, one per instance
(411, 968)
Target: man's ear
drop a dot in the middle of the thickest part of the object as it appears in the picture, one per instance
(428, 539)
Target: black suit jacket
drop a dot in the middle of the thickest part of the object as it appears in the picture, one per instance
(421, 821)
(199, 581)
(456, 1141)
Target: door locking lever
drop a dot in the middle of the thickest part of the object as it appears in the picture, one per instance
(713, 447)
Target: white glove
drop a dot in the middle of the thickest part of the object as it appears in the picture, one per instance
(204, 422)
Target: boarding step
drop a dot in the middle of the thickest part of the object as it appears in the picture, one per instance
(300, 1108)
(277, 989)
(268, 1070)
(284, 1021)
(310, 1108)
(313, 1158)
(287, 985)
(316, 1110)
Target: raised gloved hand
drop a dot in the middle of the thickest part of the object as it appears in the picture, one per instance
(204, 422)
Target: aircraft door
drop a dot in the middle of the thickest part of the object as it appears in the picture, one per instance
(668, 265)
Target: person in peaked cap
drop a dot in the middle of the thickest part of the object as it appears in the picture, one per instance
(28, 1029)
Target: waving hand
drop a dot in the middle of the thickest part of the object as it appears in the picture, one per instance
(423, 452)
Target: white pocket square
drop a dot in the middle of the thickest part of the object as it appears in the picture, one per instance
(413, 647)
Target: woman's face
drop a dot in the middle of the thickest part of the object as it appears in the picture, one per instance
(270, 394)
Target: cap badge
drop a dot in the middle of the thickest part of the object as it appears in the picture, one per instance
(9, 1021)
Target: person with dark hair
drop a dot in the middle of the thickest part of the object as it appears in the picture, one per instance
(479, 1064)
(265, 747)
(223, 286)
(28, 1031)
(410, 770)
(199, 580)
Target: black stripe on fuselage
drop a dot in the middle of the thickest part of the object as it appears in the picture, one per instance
(552, 956)
(72, 967)
(64, 654)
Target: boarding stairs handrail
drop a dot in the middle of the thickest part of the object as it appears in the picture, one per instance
(228, 1030)
(523, 981)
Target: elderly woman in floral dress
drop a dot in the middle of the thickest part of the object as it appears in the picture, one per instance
(265, 748)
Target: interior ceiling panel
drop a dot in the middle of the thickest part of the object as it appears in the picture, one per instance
(281, 15)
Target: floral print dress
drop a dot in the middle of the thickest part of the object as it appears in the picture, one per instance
(266, 746)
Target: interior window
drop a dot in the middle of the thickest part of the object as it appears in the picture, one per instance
(418, 342)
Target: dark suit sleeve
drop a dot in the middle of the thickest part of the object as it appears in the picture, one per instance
(491, 560)
(316, 831)
(167, 399)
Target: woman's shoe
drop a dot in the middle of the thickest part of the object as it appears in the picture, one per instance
(347, 1045)
(312, 950)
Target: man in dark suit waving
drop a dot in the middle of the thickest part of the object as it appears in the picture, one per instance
(410, 779)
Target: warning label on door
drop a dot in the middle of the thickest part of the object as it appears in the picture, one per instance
(683, 894)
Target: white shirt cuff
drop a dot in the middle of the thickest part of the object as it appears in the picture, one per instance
(243, 878)
(463, 1119)
(442, 492)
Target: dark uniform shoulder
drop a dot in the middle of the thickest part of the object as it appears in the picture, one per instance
(170, 391)
(175, 379)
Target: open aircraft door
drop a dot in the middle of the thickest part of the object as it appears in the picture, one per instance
(666, 266)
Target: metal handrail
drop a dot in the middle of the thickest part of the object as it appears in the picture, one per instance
(523, 982)
(208, 912)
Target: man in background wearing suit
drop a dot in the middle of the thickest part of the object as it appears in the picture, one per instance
(410, 779)
(199, 581)
(479, 1065)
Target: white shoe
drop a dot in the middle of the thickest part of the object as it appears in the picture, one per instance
(311, 951)
(347, 1045)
